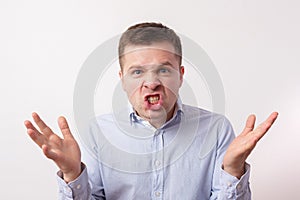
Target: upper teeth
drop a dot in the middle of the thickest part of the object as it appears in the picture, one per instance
(153, 99)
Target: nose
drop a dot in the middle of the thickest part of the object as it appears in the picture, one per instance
(152, 82)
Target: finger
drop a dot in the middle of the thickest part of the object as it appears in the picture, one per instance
(29, 125)
(34, 134)
(262, 129)
(249, 124)
(64, 127)
(271, 119)
(42, 126)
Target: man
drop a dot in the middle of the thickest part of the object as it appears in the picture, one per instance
(180, 152)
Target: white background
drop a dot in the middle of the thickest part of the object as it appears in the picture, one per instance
(254, 45)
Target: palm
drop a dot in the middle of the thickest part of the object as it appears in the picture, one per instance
(64, 152)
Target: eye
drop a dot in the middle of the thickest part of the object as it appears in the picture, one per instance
(164, 70)
(137, 72)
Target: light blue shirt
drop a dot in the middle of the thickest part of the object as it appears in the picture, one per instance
(127, 158)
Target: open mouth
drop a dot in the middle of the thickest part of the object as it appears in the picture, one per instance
(153, 99)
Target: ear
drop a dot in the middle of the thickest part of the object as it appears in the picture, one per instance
(121, 75)
(181, 73)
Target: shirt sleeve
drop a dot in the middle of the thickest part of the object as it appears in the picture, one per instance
(233, 188)
(226, 186)
(78, 189)
(89, 185)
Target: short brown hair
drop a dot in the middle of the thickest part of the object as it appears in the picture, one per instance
(147, 33)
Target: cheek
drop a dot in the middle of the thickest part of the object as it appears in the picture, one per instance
(131, 87)
(171, 86)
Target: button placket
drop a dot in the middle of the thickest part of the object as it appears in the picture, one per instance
(157, 165)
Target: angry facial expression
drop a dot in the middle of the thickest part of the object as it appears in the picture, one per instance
(151, 77)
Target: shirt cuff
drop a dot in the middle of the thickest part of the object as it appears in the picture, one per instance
(234, 186)
(73, 189)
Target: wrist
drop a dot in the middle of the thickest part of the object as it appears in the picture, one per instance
(236, 171)
(72, 175)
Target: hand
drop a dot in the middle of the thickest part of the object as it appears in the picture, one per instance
(241, 146)
(64, 152)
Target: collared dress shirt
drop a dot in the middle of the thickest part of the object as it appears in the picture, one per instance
(125, 157)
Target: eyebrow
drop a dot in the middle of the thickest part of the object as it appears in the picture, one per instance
(166, 63)
(159, 65)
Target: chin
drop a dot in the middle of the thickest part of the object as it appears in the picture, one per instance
(157, 114)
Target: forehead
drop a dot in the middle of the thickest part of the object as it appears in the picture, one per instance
(155, 53)
(166, 46)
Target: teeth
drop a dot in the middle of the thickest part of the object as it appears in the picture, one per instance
(153, 99)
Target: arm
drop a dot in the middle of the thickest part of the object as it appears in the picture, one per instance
(224, 185)
(80, 188)
(232, 172)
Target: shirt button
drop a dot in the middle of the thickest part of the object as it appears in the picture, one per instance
(239, 187)
(157, 194)
(78, 187)
(229, 184)
(157, 163)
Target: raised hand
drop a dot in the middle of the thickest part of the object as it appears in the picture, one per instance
(64, 152)
(242, 145)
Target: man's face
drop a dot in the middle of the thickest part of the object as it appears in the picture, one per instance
(151, 77)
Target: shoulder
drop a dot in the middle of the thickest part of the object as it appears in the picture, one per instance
(192, 112)
(207, 122)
